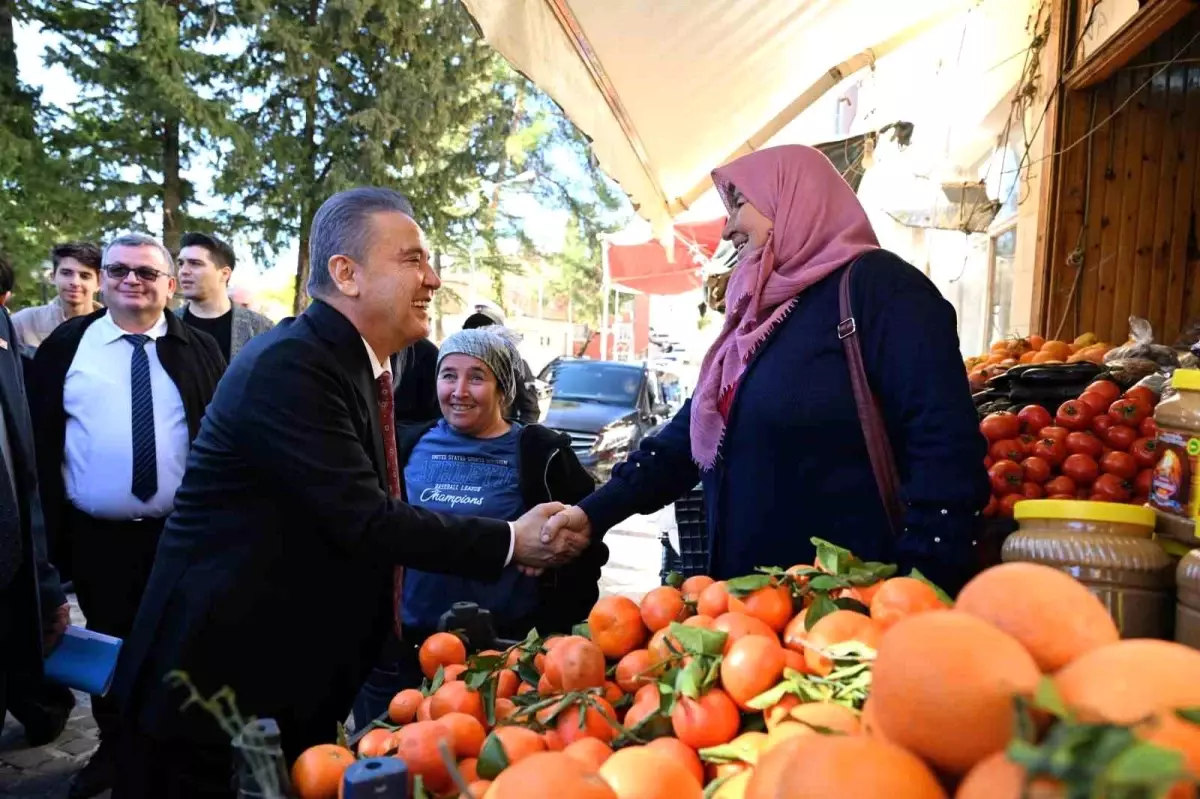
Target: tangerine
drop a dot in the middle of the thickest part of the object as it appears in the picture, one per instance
(457, 697)
(374, 743)
(739, 625)
(714, 600)
(518, 743)
(680, 752)
(661, 606)
(693, 586)
(639, 772)
(551, 774)
(752, 664)
(771, 605)
(841, 765)
(599, 721)
(419, 746)
(615, 624)
(836, 628)
(467, 733)
(317, 773)
(901, 597)
(404, 705)
(997, 777)
(635, 670)
(591, 752)
(711, 720)
(440, 650)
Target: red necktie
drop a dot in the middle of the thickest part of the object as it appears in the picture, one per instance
(387, 421)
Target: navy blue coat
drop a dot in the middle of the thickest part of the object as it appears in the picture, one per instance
(794, 461)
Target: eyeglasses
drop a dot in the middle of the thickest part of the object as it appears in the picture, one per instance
(146, 274)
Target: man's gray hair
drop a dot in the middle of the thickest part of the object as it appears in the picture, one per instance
(495, 346)
(341, 227)
(139, 240)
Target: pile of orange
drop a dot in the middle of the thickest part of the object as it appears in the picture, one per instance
(1034, 349)
(637, 709)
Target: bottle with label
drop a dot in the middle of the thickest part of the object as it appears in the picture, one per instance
(1175, 487)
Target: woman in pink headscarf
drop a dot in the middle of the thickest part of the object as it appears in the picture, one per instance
(773, 430)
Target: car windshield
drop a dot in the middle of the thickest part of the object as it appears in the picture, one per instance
(594, 381)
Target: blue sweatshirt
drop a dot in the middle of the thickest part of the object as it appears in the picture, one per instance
(794, 461)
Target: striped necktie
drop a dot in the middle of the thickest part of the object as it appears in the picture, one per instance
(145, 459)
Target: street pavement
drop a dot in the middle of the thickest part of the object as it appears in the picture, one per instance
(635, 559)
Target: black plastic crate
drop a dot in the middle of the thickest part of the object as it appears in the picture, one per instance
(692, 523)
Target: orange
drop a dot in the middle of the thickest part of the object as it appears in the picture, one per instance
(997, 777)
(714, 600)
(504, 708)
(317, 773)
(456, 697)
(752, 665)
(507, 683)
(554, 741)
(468, 769)
(680, 752)
(417, 744)
(374, 743)
(771, 605)
(710, 720)
(639, 772)
(598, 722)
(518, 743)
(706, 622)
(647, 693)
(795, 661)
(1051, 613)
(615, 624)
(549, 774)
(901, 597)
(841, 766)
(739, 625)
(403, 707)
(693, 586)
(440, 649)
(638, 712)
(836, 628)
(943, 686)
(825, 716)
(868, 722)
(661, 606)
(425, 709)
(1055, 350)
(780, 711)
(591, 752)
(453, 671)
(1126, 682)
(634, 670)
(795, 634)
(476, 789)
(863, 593)
(467, 732)
(575, 665)
(612, 692)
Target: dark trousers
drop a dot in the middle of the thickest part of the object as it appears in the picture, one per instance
(112, 562)
(150, 769)
(42, 707)
(398, 668)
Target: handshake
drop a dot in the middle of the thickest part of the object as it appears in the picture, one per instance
(550, 535)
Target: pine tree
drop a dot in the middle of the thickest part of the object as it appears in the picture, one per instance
(399, 93)
(152, 94)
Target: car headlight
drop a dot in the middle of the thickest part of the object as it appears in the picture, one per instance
(613, 438)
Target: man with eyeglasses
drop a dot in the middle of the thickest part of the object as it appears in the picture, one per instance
(120, 392)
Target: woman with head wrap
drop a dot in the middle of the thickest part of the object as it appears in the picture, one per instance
(773, 429)
(475, 462)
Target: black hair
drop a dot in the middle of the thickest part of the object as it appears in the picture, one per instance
(220, 251)
(86, 253)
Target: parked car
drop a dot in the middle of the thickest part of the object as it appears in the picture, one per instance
(606, 407)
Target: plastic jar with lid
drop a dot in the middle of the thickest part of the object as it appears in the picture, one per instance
(1107, 547)
(1175, 487)
(1187, 600)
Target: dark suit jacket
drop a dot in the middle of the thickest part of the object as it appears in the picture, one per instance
(414, 372)
(37, 591)
(274, 573)
(190, 357)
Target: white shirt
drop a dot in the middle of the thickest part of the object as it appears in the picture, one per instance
(378, 368)
(98, 456)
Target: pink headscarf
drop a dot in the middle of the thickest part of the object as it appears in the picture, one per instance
(819, 227)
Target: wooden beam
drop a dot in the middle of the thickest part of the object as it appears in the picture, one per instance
(1152, 20)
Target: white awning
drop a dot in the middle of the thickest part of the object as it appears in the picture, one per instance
(668, 89)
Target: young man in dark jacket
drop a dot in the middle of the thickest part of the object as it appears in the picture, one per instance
(474, 461)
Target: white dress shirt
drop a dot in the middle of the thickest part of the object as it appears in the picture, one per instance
(378, 368)
(98, 456)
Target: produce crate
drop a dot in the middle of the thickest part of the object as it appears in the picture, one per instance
(693, 537)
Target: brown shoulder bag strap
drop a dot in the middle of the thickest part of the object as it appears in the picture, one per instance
(879, 447)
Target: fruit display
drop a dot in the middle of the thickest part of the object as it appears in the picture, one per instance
(839, 679)
(1013, 352)
(1101, 447)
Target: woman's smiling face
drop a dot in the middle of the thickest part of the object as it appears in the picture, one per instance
(747, 225)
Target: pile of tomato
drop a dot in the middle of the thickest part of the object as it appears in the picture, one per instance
(1101, 447)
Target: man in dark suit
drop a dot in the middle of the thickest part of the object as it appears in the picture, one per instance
(33, 608)
(274, 577)
(119, 397)
(415, 381)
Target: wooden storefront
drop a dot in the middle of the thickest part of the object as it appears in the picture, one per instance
(1119, 234)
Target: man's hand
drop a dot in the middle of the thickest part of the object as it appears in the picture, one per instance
(54, 627)
(535, 550)
(571, 520)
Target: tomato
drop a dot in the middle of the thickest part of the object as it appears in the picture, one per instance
(1101, 424)
(1033, 418)
(1061, 485)
(1057, 433)
(1120, 437)
(992, 508)
(987, 462)
(1130, 411)
(1071, 497)
(1027, 441)
(1105, 388)
(1144, 394)
(1031, 490)
(1122, 464)
(1000, 426)
(1082, 469)
(1145, 451)
(1006, 477)
(1051, 450)
(1110, 488)
(1148, 428)
(1008, 503)
(1096, 402)
(1141, 483)
(1074, 415)
(1086, 443)
(1037, 470)
(1008, 450)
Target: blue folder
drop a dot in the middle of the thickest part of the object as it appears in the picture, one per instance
(84, 660)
